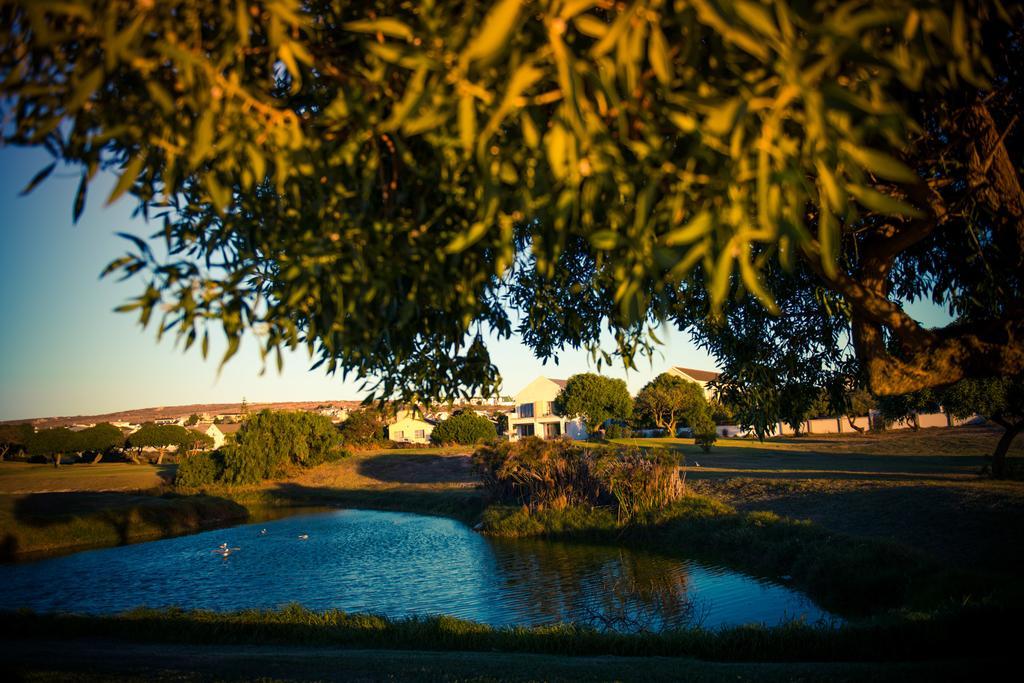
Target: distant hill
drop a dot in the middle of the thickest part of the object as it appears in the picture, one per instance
(139, 415)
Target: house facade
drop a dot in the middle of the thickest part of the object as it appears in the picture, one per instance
(409, 429)
(218, 432)
(701, 377)
(534, 414)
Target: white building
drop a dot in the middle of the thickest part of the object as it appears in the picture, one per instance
(534, 413)
(701, 377)
(410, 429)
(218, 432)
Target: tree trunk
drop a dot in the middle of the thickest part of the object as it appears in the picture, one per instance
(852, 420)
(56, 460)
(915, 422)
(999, 456)
(160, 457)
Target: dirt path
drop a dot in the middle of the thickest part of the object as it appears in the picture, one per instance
(104, 660)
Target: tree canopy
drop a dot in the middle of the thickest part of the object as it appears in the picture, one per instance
(385, 182)
(594, 398)
(270, 442)
(668, 400)
(465, 427)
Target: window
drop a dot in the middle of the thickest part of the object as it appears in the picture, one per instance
(549, 408)
(552, 431)
(420, 434)
(524, 430)
(526, 410)
(398, 435)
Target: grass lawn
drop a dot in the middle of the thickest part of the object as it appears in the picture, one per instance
(23, 477)
(920, 489)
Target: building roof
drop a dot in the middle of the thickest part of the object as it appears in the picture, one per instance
(559, 382)
(229, 427)
(699, 375)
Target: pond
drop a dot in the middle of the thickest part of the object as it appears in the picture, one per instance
(401, 564)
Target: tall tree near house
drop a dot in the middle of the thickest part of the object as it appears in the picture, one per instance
(192, 420)
(667, 399)
(594, 398)
(601, 168)
(1001, 400)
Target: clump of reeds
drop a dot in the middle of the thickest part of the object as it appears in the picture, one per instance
(557, 475)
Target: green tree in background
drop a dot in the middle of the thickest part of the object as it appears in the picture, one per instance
(164, 438)
(465, 427)
(1000, 400)
(192, 420)
(908, 407)
(53, 443)
(594, 398)
(362, 428)
(14, 438)
(601, 168)
(668, 400)
(99, 440)
(270, 443)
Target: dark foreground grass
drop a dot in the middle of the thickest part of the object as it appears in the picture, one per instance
(982, 632)
(849, 575)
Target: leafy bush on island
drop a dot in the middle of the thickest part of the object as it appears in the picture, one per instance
(464, 428)
(558, 475)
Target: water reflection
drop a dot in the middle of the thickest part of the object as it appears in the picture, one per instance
(400, 564)
(604, 587)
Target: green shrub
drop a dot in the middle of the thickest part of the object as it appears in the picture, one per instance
(362, 428)
(704, 434)
(617, 431)
(559, 474)
(200, 469)
(271, 443)
(464, 428)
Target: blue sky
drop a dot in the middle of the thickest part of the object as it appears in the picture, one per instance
(64, 351)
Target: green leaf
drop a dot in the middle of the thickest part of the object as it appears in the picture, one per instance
(828, 238)
(467, 239)
(696, 228)
(604, 240)
(883, 203)
(719, 287)
(880, 163)
(128, 176)
(38, 178)
(657, 53)
(496, 30)
(753, 283)
(79, 205)
(385, 26)
(84, 89)
(589, 25)
(757, 16)
(831, 190)
(723, 118)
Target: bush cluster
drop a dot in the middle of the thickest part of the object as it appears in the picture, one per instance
(616, 431)
(200, 469)
(271, 443)
(560, 474)
(464, 428)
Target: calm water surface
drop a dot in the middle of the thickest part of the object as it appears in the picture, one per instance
(401, 564)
